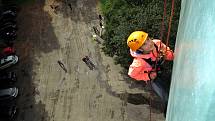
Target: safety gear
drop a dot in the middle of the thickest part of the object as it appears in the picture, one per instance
(140, 68)
(136, 39)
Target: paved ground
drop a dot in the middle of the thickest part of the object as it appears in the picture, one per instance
(53, 33)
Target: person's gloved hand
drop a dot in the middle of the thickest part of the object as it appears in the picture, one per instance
(167, 54)
(152, 75)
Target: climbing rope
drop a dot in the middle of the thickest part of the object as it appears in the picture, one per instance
(170, 22)
(162, 24)
(167, 44)
(150, 99)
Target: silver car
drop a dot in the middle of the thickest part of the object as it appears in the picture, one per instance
(8, 94)
(7, 112)
(8, 61)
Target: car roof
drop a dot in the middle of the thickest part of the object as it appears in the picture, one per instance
(4, 92)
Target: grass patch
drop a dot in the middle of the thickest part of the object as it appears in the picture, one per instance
(102, 4)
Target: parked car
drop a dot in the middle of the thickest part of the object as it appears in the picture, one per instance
(9, 4)
(9, 36)
(8, 23)
(8, 61)
(7, 27)
(8, 111)
(8, 94)
(7, 51)
(6, 19)
(6, 43)
(9, 13)
(7, 79)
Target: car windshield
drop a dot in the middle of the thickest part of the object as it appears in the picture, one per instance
(5, 92)
(6, 59)
(6, 62)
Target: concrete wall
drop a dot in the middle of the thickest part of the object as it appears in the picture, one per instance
(192, 94)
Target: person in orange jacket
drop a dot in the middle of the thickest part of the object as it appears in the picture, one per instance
(148, 55)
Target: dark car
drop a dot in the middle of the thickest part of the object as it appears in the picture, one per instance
(9, 13)
(7, 27)
(8, 36)
(8, 23)
(8, 111)
(9, 5)
(6, 19)
(7, 79)
(8, 94)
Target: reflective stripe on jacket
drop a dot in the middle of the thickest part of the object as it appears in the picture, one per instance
(139, 68)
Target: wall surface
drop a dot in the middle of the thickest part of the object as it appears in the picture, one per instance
(192, 94)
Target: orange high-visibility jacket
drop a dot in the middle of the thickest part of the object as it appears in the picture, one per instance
(139, 68)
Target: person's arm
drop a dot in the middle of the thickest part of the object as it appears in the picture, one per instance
(137, 71)
(168, 53)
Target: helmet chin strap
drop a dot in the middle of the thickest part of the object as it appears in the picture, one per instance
(144, 51)
(147, 52)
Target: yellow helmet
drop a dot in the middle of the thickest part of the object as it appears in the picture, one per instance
(136, 39)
